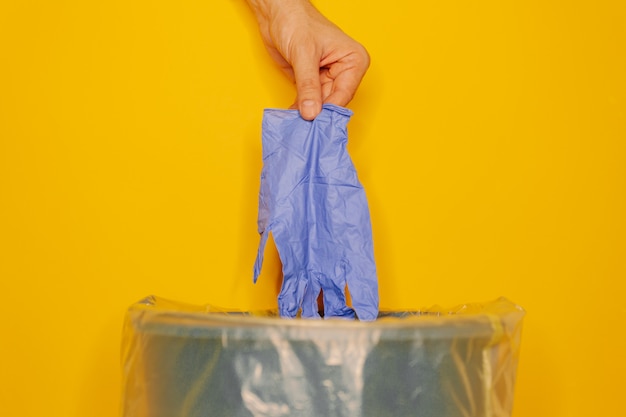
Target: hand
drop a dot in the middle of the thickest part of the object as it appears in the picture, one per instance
(325, 63)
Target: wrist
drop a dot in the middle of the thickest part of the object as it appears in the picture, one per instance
(267, 9)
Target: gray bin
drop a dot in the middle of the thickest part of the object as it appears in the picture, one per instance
(185, 361)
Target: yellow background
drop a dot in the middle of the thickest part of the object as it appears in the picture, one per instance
(490, 137)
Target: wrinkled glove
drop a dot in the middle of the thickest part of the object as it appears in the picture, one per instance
(314, 206)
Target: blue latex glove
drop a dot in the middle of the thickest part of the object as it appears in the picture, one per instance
(314, 206)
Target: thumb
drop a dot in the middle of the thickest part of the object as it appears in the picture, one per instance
(308, 85)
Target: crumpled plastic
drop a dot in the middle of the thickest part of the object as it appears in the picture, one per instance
(198, 360)
(313, 204)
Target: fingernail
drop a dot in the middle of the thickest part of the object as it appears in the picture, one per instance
(308, 109)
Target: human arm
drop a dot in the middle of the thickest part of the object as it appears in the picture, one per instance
(326, 65)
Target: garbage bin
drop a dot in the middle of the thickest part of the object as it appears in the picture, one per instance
(192, 361)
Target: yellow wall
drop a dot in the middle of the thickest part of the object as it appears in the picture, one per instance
(490, 136)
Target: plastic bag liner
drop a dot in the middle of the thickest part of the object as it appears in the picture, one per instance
(191, 361)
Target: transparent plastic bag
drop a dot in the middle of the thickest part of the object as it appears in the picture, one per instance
(191, 361)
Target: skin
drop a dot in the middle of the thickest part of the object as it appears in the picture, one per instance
(326, 65)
